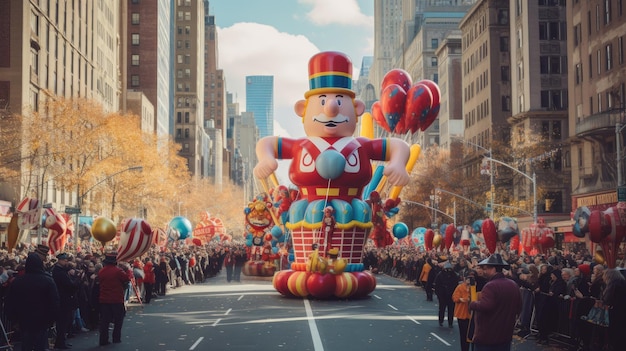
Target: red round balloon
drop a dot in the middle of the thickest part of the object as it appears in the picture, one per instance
(392, 102)
(321, 286)
(379, 117)
(418, 101)
(366, 283)
(449, 238)
(397, 76)
(280, 282)
(433, 112)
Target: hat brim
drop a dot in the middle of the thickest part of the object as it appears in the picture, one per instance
(328, 90)
(486, 262)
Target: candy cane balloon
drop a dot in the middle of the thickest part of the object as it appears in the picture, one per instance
(56, 225)
(135, 239)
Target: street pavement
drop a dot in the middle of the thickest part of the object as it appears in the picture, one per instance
(251, 315)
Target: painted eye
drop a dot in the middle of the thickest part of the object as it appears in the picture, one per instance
(323, 102)
(339, 102)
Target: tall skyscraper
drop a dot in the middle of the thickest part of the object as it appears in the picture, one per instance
(260, 101)
(147, 57)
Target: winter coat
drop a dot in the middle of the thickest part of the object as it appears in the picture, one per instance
(149, 276)
(445, 283)
(33, 299)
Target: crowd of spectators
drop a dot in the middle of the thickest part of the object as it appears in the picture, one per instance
(152, 276)
(559, 289)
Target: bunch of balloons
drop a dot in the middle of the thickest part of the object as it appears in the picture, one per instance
(405, 106)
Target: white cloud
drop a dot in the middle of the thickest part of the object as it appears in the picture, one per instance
(257, 49)
(343, 12)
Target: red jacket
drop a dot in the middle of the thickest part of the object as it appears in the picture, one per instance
(148, 271)
(113, 281)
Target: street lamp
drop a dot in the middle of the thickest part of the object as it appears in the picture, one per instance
(80, 197)
(482, 171)
(434, 209)
(533, 179)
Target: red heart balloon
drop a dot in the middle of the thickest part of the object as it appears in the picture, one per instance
(419, 99)
(393, 101)
(428, 239)
(397, 76)
(434, 106)
(490, 234)
(379, 117)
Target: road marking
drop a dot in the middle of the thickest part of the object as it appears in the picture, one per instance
(378, 297)
(392, 306)
(413, 320)
(240, 297)
(315, 335)
(196, 343)
(217, 321)
(440, 339)
(227, 312)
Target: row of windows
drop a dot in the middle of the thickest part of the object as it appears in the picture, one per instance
(554, 100)
(482, 81)
(475, 115)
(607, 100)
(604, 60)
(476, 57)
(179, 133)
(604, 15)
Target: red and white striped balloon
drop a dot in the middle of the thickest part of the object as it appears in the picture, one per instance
(135, 239)
(57, 230)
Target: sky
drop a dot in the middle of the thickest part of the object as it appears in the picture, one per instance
(278, 37)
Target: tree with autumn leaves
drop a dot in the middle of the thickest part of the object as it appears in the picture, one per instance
(75, 146)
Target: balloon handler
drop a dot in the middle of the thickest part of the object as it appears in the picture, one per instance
(330, 167)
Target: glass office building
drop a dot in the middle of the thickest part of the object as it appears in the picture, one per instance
(260, 101)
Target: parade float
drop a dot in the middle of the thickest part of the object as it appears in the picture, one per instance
(341, 179)
(606, 229)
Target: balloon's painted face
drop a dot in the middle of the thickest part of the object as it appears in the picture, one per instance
(330, 115)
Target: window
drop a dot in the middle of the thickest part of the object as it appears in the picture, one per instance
(576, 34)
(134, 80)
(187, 30)
(590, 66)
(609, 57)
(434, 43)
(186, 117)
(620, 50)
(134, 18)
(520, 71)
(180, 15)
(518, 7)
(599, 59)
(506, 103)
(519, 38)
(179, 73)
(187, 59)
(187, 73)
(134, 60)
(433, 61)
(543, 31)
(503, 16)
(179, 58)
(186, 133)
(607, 11)
(179, 133)
(579, 73)
(504, 44)
(179, 117)
(179, 44)
(135, 38)
(187, 16)
(505, 73)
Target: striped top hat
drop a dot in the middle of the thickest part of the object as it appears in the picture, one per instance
(330, 72)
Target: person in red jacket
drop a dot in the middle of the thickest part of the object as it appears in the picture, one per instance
(113, 282)
(148, 280)
(497, 308)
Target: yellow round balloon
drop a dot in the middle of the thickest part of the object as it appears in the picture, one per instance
(437, 240)
(599, 257)
(103, 230)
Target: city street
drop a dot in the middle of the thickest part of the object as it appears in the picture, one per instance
(251, 315)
